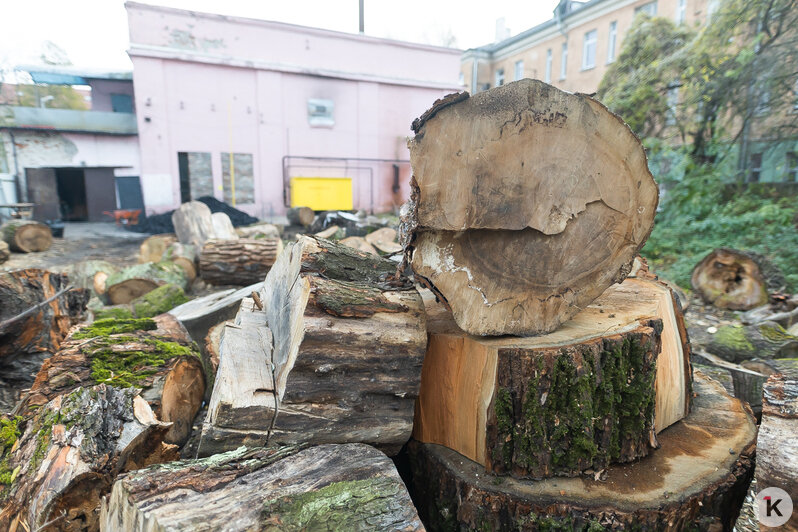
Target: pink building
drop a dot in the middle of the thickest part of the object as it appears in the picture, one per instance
(237, 108)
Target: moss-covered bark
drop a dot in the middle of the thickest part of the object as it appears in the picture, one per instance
(162, 299)
(764, 340)
(563, 411)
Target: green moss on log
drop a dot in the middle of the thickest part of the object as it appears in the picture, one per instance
(159, 272)
(116, 313)
(162, 299)
(109, 326)
(340, 506)
(734, 339)
(123, 368)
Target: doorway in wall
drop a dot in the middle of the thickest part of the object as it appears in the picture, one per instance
(185, 182)
(71, 185)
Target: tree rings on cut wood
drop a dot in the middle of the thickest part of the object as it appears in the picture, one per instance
(591, 393)
(697, 480)
(153, 247)
(303, 216)
(527, 203)
(735, 280)
(27, 236)
(135, 281)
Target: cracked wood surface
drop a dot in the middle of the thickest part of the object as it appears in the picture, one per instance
(528, 202)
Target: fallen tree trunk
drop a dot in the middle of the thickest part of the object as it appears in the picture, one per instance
(153, 248)
(135, 281)
(592, 393)
(696, 480)
(27, 236)
(67, 455)
(527, 203)
(348, 487)
(735, 280)
(333, 356)
(303, 216)
(764, 340)
(185, 256)
(155, 355)
(238, 262)
(777, 447)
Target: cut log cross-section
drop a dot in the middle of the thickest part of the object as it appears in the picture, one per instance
(238, 262)
(155, 355)
(27, 236)
(591, 393)
(338, 344)
(66, 458)
(697, 480)
(303, 216)
(338, 487)
(135, 281)
(527, 203)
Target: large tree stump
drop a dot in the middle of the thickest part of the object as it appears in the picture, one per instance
(777, 446)
(341, 487)
(527, 203)
(193, 223)
(27, 339)
(697, 480)
(594, 392)
(153, 247)
(27, 236)
(67, 455)
(155, 355)
(238, 262)
(303, 216)
(135, 281)
(736, 280)
(334, 356)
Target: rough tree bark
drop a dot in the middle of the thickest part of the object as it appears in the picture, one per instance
(593, 392)
(527, 202)
(135, 281)
(338, 345)
(697, 480)
(238, 262)
(65, 458)
(155, 355)
(341, 487)
(303, 216)
(764, 340)
(736, 280)
(26, 236)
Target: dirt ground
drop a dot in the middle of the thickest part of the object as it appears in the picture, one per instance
(81, 241)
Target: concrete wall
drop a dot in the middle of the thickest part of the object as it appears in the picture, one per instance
(206, 83)
(101, 90)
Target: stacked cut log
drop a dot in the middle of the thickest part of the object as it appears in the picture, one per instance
(26, 236)
(242, 261)
(528, 207)
(329, 350)
(130, 283)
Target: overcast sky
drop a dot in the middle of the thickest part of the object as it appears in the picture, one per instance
(94, 32)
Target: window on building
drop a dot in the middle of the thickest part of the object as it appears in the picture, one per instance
(196, 176)
(320, 113)
(564, 62)
(763, 101)
(792, 166)
(121, 103)
(547, 75)
(672, 101)
(499, 77)
(519, 70)
(238, 179)
(755, 168)
(681, 11)
(649, 9)
(612, 41)
(589, 50)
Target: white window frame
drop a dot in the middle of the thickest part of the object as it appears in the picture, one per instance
(792, 166)
(650, 8)
(681, 11)
(612, 41)
(755, 167)
(564, 61)
(590, 41)
(499, 77)
(550, 60)
(519, 70)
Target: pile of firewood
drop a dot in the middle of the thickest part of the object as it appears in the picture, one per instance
(23, 236)
(532, 382)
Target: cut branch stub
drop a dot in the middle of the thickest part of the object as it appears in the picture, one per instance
(736, 280)
(528, 202)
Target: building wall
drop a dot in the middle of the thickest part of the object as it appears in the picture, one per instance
(211, 84)
(102, 89)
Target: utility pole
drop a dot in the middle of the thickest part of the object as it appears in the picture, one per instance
(362, 19)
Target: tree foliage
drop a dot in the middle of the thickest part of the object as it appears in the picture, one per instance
(63, 97)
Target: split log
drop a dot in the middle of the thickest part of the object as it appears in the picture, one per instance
(84, 274)
(259, 230)
(777, 446)
(238, 262)
(359, 243)
(135, 281)
(27, 236)
(213, 343)
(697, 480)
(384, 239)
(345, 487)
(765, 340)
(68, 454)
(222, 227)
(329, 233)
(527, 202)
(153, 248)
(594, 392)
(5, 254)
(155, 355)
(334, 356)
(193, 223)
(185, 256)
(736, 280)
(303, 216)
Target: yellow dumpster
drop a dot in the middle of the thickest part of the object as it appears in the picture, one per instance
(322, 193)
